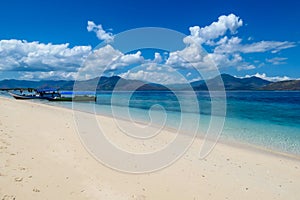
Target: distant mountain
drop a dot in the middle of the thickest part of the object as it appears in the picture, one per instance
(231, 83)
(102, 84)
(12, 83)
(283, 85)
(120, 84)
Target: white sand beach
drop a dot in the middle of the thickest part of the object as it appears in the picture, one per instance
(41, 157)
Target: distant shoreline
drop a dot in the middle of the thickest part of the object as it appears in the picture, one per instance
(218, 83)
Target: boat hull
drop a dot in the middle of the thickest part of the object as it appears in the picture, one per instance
(24, 97)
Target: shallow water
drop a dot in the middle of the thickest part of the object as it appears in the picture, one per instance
(267, 119)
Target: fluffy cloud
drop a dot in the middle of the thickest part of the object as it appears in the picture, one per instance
(225, 60)
(41, 61)
(106, 59)
(126, 60)
(273, 79)
(20, 55)
(163, 74)
(224, 51)
(157, 58)
(216, 29)
(51, 75)
(98, 61)
(191, 56)
(101, 34)
(195, 56)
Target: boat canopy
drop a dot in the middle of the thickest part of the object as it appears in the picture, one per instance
(78, 93)
(46, 90)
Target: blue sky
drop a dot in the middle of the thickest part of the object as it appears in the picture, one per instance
(62, 22)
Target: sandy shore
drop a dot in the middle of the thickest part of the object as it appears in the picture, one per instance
(41, 157)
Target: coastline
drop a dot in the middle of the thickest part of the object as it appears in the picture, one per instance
(233, 171)
(232, 143)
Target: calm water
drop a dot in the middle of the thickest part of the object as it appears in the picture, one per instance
(268, 119)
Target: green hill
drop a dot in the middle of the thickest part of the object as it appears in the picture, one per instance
(283, 85)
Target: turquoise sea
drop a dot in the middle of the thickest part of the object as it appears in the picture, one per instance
(267, 119)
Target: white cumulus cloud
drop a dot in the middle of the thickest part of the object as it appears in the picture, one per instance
(224, 50)
(164, 76)
(106, 59)
(20, 55)
(216, 29)
(157, 58)
(191, 56)
(51, 75)
(126, 60)
(100, 32)
(98, 61)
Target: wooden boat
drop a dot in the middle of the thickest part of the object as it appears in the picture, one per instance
(24, 96)
(39, 94)
(51, 95)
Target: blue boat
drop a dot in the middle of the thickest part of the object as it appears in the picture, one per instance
(38, 94)
(54, 95)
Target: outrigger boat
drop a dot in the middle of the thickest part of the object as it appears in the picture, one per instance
(38, 94)
(23, 96)
(52, 95)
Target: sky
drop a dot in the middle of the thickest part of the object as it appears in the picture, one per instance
(55, 39)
